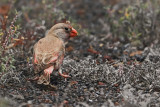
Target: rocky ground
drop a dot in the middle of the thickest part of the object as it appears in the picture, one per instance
(105, 72)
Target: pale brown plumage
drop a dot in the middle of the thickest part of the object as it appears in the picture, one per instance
(49, 51)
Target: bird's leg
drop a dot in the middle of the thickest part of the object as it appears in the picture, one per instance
(45, 77)
(63, 75)
(48, 72)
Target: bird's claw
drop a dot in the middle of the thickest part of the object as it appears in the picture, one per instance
(63, 75)
(45, 77)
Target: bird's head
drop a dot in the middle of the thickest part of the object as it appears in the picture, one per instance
(63, 31)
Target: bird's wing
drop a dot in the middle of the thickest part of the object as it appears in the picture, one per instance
(47, 51)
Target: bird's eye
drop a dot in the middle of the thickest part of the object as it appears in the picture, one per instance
(66, 28)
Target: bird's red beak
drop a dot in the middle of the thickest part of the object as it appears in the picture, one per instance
(73, 33)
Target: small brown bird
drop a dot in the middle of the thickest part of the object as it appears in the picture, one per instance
(49, 51)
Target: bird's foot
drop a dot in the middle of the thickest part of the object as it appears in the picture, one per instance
(45, 77)
(33, 79)
(63, 75)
